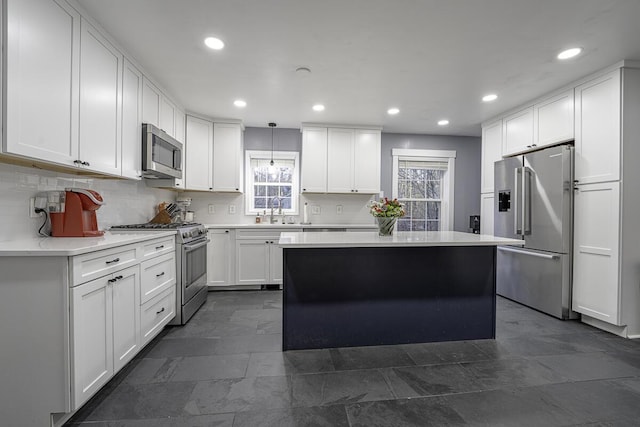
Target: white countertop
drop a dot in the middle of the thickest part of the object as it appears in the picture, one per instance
(70, 246)
(399, 238)
(296, 225)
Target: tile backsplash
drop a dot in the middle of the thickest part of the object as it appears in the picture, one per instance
(127, 201)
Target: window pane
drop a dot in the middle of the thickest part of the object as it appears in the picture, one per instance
(418, 210)
(433, 210)
(285, 191)
(272, 191)
(272, 175)
(259, 190)
(260, 202)
(417, 189)
(286, 203)
(433, 190)
(403, 189)
(286, 175)
(259, 175)
(433, 225)
(404, 225)
(418, 225)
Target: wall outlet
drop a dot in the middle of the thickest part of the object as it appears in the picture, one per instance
(32, 208)
(232, 209)
(212, 209)
(315, 210)
(338, 209)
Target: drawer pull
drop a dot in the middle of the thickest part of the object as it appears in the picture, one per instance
(158, 312)
(159, 247)
(113, 260)
(160, 275)
(112, 280)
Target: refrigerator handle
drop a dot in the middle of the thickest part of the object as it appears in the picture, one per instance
(527, 175)
(517, 223)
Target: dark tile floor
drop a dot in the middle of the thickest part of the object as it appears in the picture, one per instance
(226, 368)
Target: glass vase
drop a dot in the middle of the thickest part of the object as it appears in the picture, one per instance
(386, 225)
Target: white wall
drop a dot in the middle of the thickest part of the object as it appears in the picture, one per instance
(127, 201)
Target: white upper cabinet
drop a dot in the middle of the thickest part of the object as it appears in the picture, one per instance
(199, 156)
(598, 122)
(100, 106)
(518, 131)
(366, 161)
(167, 115)
(314, 160)
(340, 160)
(553, 120)
(131, 121)
(353, 161)
(491, 153)
(227, 157)
(150, 103)
(42, 67)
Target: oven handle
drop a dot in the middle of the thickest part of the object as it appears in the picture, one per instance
(194, 246)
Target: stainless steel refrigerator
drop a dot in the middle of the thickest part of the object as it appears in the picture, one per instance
(534, 202)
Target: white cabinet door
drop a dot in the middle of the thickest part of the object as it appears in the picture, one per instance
(227, 157)
(340, 160)
(100, 107)
(92, 338)
(518, 131)
(199, 142)
(597, 154)
(596, 284)
(366, 161)
(486, 213)
(131, 121)
(252, 262)
(275, 263)
(491, 153)
(180, 136)
(314, 160)
(126, 316)
(167, 116)
(553, 120)
(42, 67)
(150, 103)
(220, 251)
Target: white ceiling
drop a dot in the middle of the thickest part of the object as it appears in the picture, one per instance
(432, 59)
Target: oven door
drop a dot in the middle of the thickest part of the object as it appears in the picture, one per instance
(194, 268)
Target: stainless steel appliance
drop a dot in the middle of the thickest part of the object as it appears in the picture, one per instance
(191, 264)
(534, 202)
(161, 154)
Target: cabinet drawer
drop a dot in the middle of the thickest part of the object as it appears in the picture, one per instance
(272, 234)
(156, 313)
(158, 247)
(156, 275)
(97, 264)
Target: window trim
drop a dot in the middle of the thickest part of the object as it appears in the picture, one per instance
(449, 180)
(295, 183)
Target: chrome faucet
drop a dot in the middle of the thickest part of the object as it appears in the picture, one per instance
(273, 220)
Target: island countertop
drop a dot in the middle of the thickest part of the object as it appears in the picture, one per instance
(398, 239)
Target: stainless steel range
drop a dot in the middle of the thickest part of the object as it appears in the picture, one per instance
(191, 260)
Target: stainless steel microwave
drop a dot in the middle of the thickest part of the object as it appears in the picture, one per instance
(161, 153)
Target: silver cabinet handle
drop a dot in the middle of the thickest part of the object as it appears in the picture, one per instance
(160, 275)
(159, 247)
(535, 254)
(158, 312)
(517, 226)
(113, 260)
(527, 176)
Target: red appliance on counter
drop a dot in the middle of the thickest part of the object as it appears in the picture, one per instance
(76, 216)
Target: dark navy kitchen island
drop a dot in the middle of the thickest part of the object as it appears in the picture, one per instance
(358, 289)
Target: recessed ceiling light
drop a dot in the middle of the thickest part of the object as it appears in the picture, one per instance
(490, 97)
(214, 43)
(393, 111)
(570, 53)
(443, 122)
(240, 103)
(318, 107)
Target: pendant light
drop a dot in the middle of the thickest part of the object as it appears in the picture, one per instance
(272, 168)
(272, 125)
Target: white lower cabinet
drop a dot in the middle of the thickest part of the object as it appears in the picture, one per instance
(259, 257)
(596, 284)
(221, 257)
(113, 316)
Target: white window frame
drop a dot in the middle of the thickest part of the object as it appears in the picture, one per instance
(448, 156)
(295, 183)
